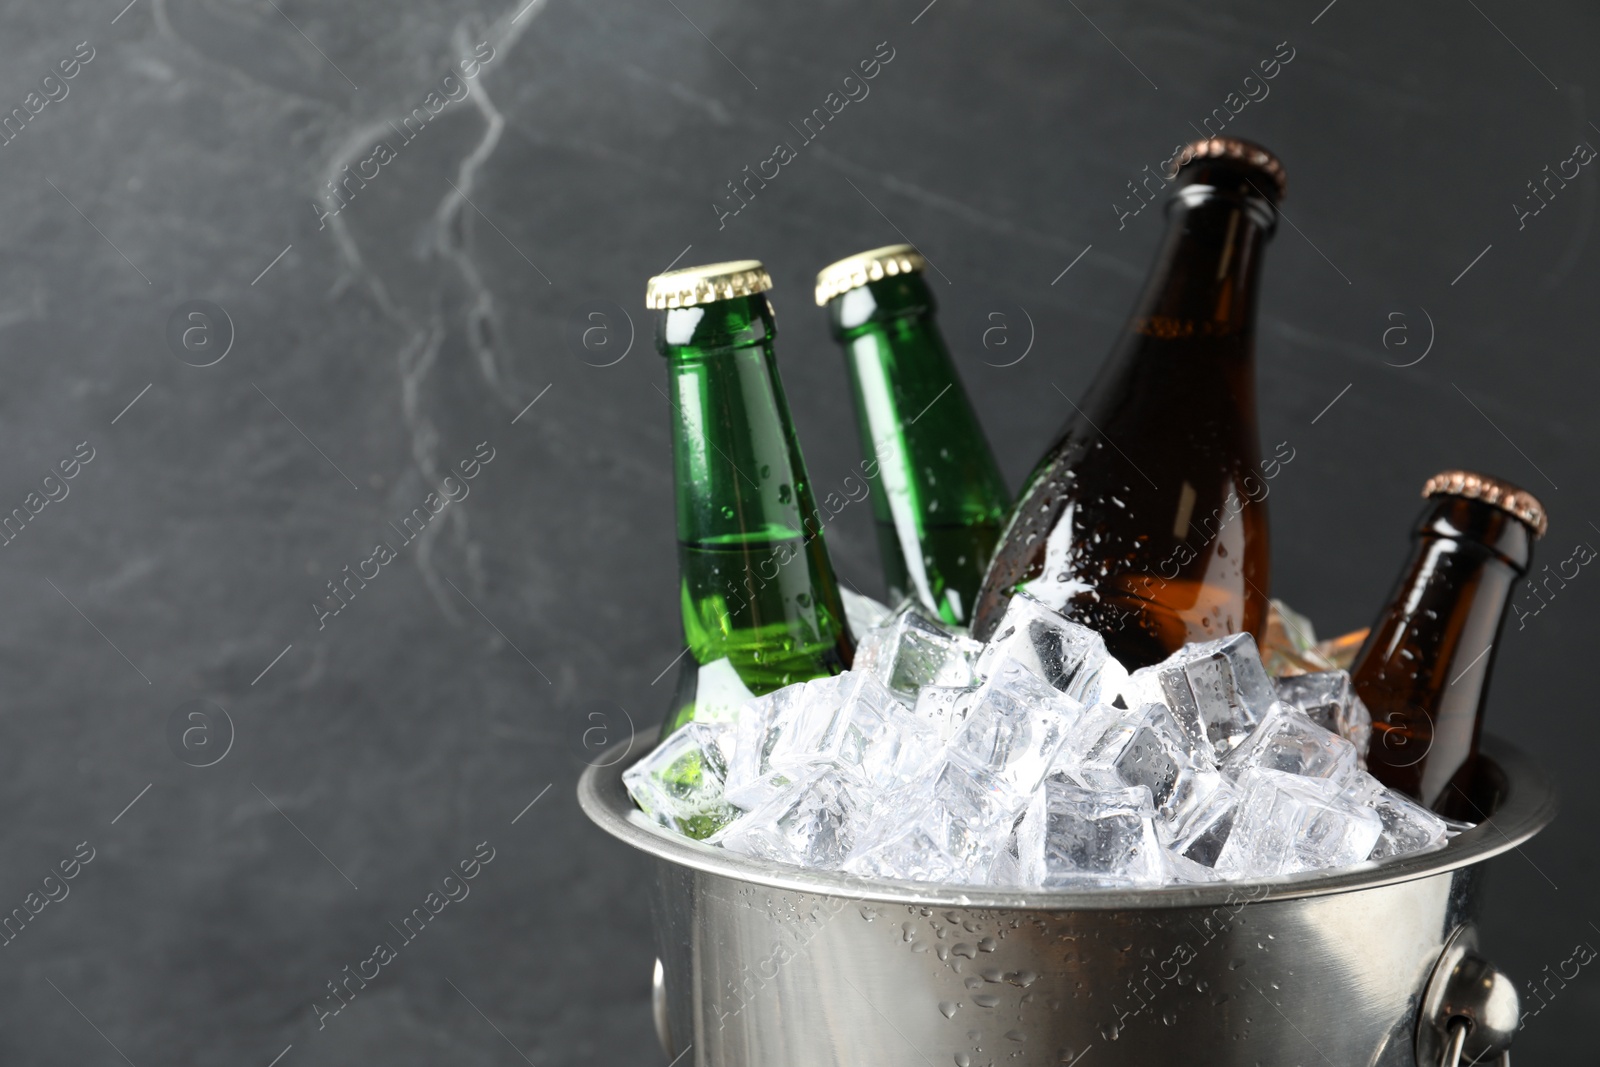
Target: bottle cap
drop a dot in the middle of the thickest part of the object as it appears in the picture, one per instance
(1232, 149)
(705, 285)
(1503, 495)
(853, 272)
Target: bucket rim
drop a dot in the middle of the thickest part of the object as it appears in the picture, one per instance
(1526, 803)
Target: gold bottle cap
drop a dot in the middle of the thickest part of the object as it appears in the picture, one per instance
(1239, 151)
(1503, 495)
(853, 272)
(705, 285)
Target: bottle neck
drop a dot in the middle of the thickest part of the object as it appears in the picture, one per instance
(1424, 670)
(887, 307)
(736, 476)
(1207, 274)
(937, 494)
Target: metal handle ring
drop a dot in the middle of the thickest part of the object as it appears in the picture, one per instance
(1469, 1011)
(1455, 1041)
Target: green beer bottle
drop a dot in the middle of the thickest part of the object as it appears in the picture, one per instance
(756, 584)
(937, 495)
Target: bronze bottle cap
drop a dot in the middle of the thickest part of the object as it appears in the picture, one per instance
(1508, 498)
(1239, 151)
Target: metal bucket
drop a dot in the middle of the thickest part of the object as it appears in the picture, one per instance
(772, 966)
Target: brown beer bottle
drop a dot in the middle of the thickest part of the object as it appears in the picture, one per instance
(1146, 519)
(1424, 669)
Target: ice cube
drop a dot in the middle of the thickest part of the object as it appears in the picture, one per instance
(786, 735)
(911, 855)
(815, 822)
(944, 708)
(1288, 742)
(849, 720)
(717, 743)
(1200, 837)
(886, 743)
(1158, 754)
(1184, 871)
(679, 784)
(1020, 864)
(1070, 657)
(1099, 837)
(1014, 728)
(1142, 687)
(719, 692)
(1100, 729)
(1407, 826)
(1285, 824)
(1218, 690)
(1338, 835)
(1330, 701)
(911, 651)
(966, 813)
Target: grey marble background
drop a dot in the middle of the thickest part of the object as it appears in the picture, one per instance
(372, 351)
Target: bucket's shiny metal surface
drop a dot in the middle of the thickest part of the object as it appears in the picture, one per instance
(771, 966)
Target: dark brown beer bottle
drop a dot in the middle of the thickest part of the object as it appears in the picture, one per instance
(1146, 520)
(1424, 669)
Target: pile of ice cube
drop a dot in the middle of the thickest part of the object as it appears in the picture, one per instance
(1035, 761)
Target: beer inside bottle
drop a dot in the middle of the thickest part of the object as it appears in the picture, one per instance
(937, 494)
(756, 584)
(1424, 669)
(1146, 519)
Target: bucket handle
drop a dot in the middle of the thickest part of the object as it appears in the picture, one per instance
(1470, 1010)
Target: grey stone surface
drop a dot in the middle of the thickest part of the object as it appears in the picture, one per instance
(514, 639)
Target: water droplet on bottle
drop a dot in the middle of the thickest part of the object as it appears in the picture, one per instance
(784, 493)
(947, 1008)
(963, 1060)
(803, 599)
(727, 511)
